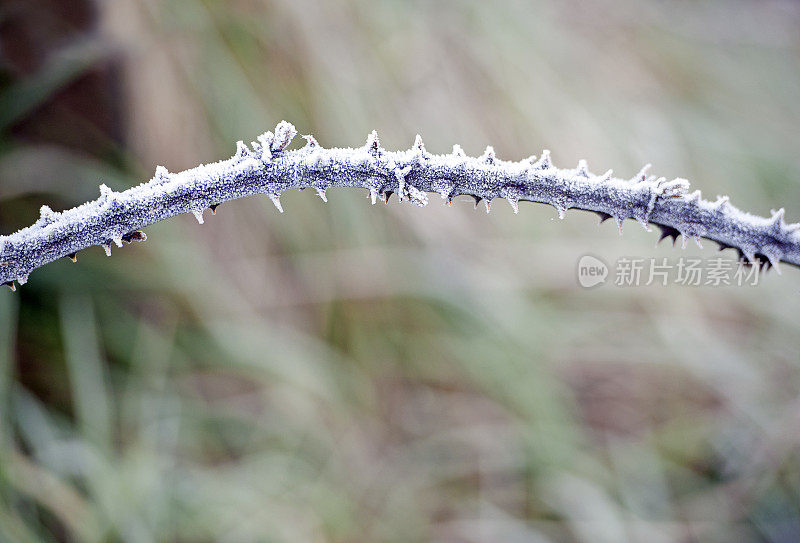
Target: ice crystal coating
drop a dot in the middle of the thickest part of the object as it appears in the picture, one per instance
(269, 168)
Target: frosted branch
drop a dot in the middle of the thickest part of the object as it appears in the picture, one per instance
(267, 167)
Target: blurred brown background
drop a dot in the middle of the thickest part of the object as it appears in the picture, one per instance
(345, 372)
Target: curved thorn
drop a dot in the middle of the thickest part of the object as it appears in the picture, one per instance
(198, 214)
(514, 204)
(321, 194)
(642, 175)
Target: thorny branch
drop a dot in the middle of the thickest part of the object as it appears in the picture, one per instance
(267, 167)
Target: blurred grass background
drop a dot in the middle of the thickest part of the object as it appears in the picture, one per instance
(347, 372)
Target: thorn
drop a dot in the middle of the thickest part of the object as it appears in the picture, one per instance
(697, 241)
(373, 195)
(46, 213)
(106, 248)
(386, 196)
(606, 176)
(321, 194)
(642, 175)
(311, 142)
(117, 241)
(582, 169)
(748, 254)
(683, 240)
(213, 208)
(105, 192)
(723, 245)
(284, 134)
(619, 224)
(544, 161)
(488, 155)
(277, 201)
(73, 257)
(722, 201)
(514, 204)
(162, 174)
(418, 145)
(488, 205)
(373, 145)
(774, 261)
(266, 140)
(241, 150)
(477, 201)
(11, 285)
(603, 216)
(776, 221)
(458, 151)
(46, 216)
(645, 225)
(668, 232)
(198, 215)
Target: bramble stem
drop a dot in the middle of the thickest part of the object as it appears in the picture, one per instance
(268, 168)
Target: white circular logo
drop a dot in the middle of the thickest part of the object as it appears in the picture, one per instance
(591, 271)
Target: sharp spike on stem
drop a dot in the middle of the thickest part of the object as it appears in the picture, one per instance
(606, 176)
(107, 248)
(73, 257)
(321, 194)
(373, 195)
(619, 224)
(277, 201)
(603, 217)
(642, 175)
(582, 169)
(11, 285)
(213, 208)
(514, 204)
(488, 205)
(488, 156)
(198, 215)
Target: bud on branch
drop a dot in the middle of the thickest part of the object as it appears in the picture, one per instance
(268, 168)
